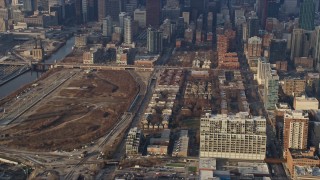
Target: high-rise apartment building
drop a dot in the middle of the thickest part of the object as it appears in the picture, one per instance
(296, 43)
(295, 130)
(128, 30)
(307, 15)
(278, 48)
(154, 41)
(233, 136)
(253, 26)
(107, 26)
(153, 8)
(122, 16)
(271, 89)
(317, 48)
(254, 47)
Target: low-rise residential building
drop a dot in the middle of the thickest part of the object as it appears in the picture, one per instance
(294, 86)
(303, 164)
(305, 103)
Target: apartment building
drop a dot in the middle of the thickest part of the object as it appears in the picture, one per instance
(237, 136)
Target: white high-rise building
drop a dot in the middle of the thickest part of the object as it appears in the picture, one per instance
(128, 30)
(107, 26)
(233, 136)
(122, 15)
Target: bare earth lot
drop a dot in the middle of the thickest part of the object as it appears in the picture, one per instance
(83, 109)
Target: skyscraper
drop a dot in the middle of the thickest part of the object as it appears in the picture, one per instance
(271, 89)
(317, 49)
(107, 26)
(128, 30)
(278, 48)
(153, 8)
(295, 130)
(296, 43)
(122, 15)
(29, 5)
(58, 2)
(307, 15)
(102, 12)
(253, 26)
(154, 41)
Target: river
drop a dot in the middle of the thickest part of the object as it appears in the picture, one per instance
(30, 76)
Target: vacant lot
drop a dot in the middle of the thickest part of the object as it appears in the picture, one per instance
(83, 109)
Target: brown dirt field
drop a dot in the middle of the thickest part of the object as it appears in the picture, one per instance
(82, 110)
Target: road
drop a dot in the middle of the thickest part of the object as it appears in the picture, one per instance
(24, 103)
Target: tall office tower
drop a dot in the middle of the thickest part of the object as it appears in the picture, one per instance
(92, 10)
(180, 28)
(210, 22)
(296, 43)
(3, 3)
(58, 2)
(271, 89)
(290, 6)
(317, 5)
(278, 48)
(273, 7)
(122, 16)
(29, 5)
(130, 6)
(307, 15)
(317, 49)
(44, 4)
(200, 23)
(153, 8)
(107, 26)
(253, 26)
(254, 48)
(186, 17)
(78, 9)
(198, 5)
(154, 41)
(128, 30)
(85, 5)
(295, 130)
(140, 15)
(233, 136)
(102, 9)
(113, 9)
(263, 67)
(171, 10)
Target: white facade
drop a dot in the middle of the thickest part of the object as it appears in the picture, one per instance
(233, 136)
(128, 30)
(305, 103)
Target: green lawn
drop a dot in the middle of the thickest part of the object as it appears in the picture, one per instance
(192, 169)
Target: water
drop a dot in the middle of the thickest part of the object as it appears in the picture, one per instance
(30, 76)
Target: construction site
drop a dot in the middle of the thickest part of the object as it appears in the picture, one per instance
(73, 108)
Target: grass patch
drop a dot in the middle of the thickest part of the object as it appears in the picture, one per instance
(192, 169)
